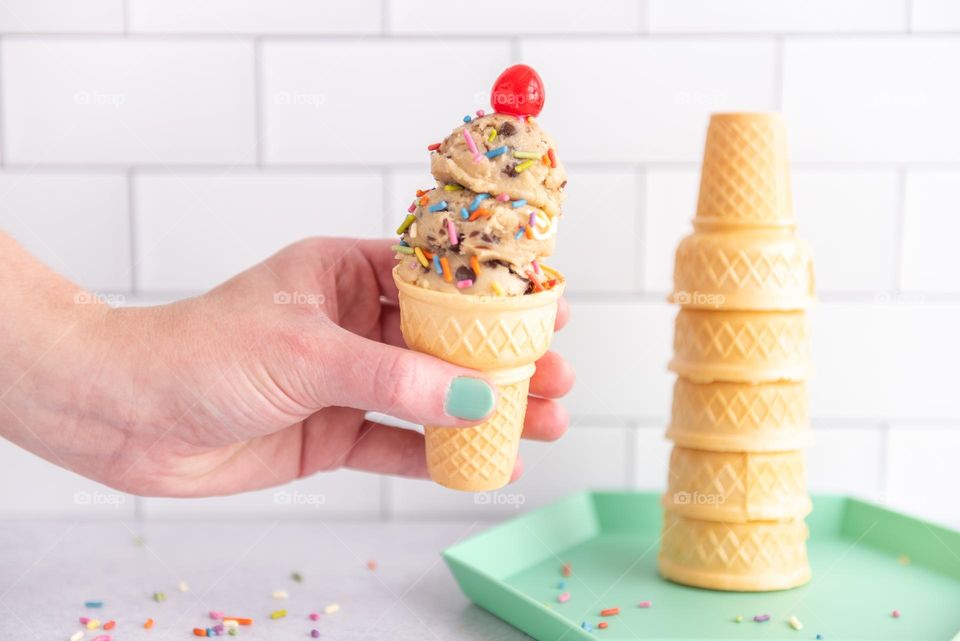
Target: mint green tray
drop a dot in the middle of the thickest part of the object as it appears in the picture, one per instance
(611, 539)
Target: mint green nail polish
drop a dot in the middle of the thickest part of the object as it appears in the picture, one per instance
(469, 398)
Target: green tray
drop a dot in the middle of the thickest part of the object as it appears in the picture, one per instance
(860, 575)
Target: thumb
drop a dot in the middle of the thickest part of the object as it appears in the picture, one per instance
(420, 388)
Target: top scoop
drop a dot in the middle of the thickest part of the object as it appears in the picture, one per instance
(493, 213)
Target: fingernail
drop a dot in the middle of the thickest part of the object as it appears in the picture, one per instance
(469, 398)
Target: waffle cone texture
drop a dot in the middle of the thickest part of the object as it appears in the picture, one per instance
(500, 336)
(736, 494)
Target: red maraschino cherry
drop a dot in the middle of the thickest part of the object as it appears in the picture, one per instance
(518, 91)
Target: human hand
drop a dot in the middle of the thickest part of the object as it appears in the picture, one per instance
(260, 381)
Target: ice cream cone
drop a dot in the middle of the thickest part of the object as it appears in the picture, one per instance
(740, 346)
(501, 336)
(745, 177)
(737, 486)
(740, 417)
(747, 557)
(749, 270)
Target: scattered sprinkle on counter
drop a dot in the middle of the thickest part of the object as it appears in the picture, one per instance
(738, 618)
(761, 618)
(93, 604)
(561, 585)
(103, 637)
(795, 623)
(895, 614)
(602, 625)
(110, 625)
(280, 594)
(76, 636)
(93, 624)
(159, 597)
(296, 576)
(903, 559)
(84, 620)
(586, 626)
(567, 569)
(216, 616)
(278, 614)
(609, 612)
(148, 624)
(819, 637)
(315, 633)
(183, 587)
(371, 565)
(332, 608)
(563, 598)
(244, 620)
(199, 632)
(645, 604)
(314, 616)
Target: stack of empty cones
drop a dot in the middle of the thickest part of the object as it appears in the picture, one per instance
(736, 495)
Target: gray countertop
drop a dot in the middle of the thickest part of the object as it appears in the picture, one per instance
(48, 569)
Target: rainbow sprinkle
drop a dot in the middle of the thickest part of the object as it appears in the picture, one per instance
(463, 284)
(553, 158)
(526, 154)
(445, 266)
(475, 265)
(464, 213)
(452, 233)
(503, 197)
(499, 151)
(437, 266)
(467, 118)
(563, 598)
(413, 230)
(525, 165)
(519, 203)
(472, 146)
(406, 223)
(491, 136)
(533, 219)
(402, 249)
(519, 233)
(452, 187)
(497, 289)
(760, 618)
(477, 200)
(440, 206)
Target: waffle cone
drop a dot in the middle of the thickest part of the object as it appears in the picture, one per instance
(745, 177)
(740, 417)
(737, 486)
(749, 270)
(501, 336)
(746, 557)
(750, 347)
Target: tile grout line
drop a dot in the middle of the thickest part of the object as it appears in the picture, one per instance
(778, 73)
(132, 232)
(901, 222)
(640, 232)
(258, 99)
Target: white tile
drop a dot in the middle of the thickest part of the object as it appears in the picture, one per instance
(340, 102)
(196, 230)
(343, 493)
(922, 468)
(620, 352)
(872, 99)
(254, 16)
(651, 458)
(671, 203)
(53, 16)
(846, 461)
(31, 487)
(119, 100)
(845, 214)
(75, 223)
(885, 361)
(931, 227)
(605, 202)
(586, 457)
(646, 100)
(738, 16)
(935, 15)
(436, 17)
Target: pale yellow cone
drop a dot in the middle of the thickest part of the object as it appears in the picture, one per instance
(740, 417)
(737, 486)
(746, 557)
(751, 347)
(501, 336)
(743, 270)
(745, 177)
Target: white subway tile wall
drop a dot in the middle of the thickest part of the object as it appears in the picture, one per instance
(152, 148)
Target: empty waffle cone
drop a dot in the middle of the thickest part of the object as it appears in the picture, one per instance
(745, 177)
(751, 347)
(757, 556)
(737, 486)
(740, 417)
(749, 269)
(501, 336)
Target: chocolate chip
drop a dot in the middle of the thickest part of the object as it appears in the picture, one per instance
(474, 233)
(507, 129)
(563, 184)
(465, 273)
(510, 170)
(487, 238)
